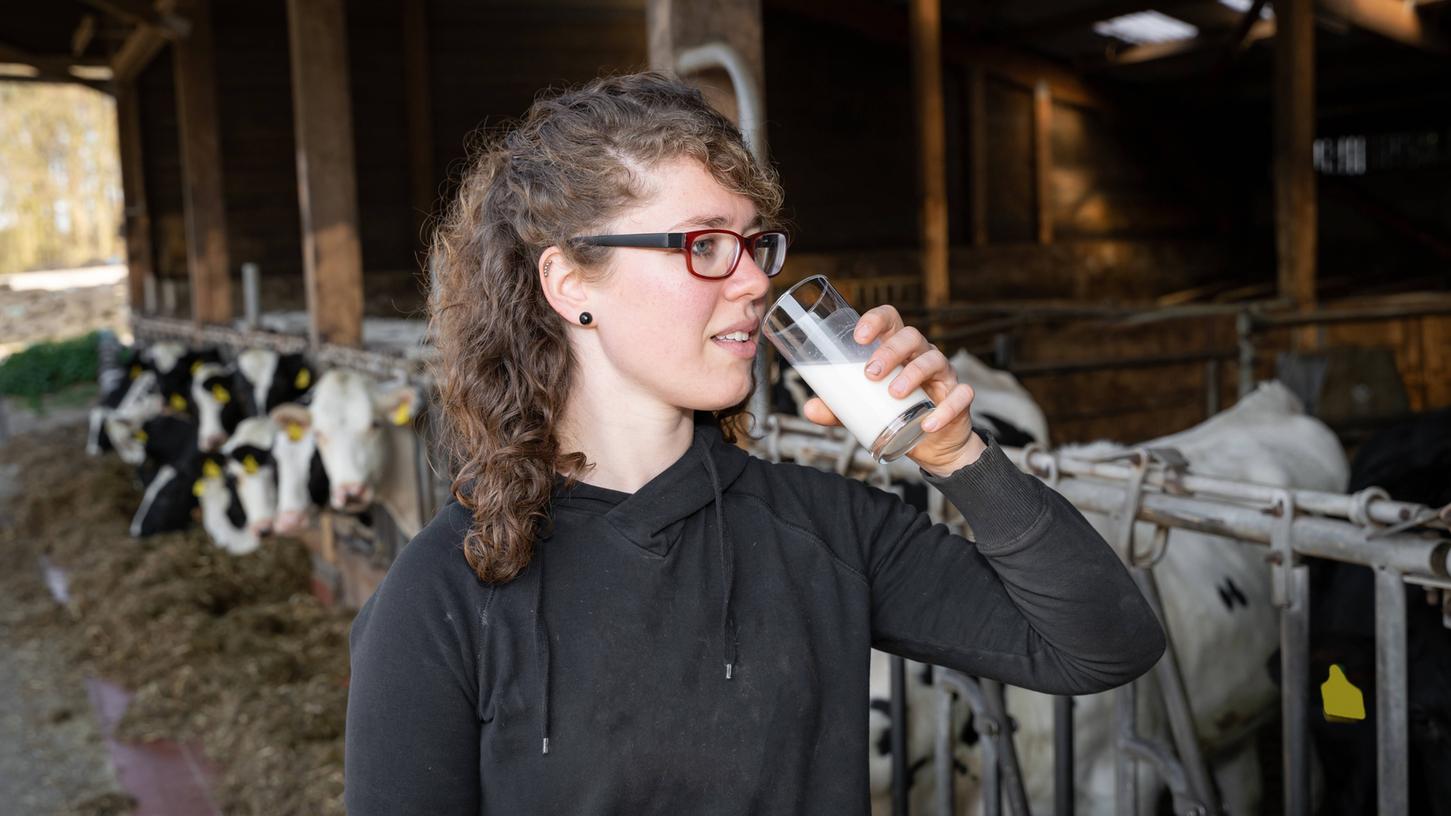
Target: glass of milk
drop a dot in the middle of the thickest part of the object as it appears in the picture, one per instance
(811, 325)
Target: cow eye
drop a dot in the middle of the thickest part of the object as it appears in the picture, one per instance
(377, 423)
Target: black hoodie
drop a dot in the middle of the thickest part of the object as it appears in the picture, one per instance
(702, 646)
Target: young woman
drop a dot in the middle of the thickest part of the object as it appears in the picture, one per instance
(621, 611)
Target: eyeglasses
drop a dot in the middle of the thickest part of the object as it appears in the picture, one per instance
(712, 254)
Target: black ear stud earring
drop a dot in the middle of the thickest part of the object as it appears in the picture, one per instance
(585, 318)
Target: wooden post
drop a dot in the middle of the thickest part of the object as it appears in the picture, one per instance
(977, 153)
(1043, 161)
(420, 114)
(675, 26)
(326, 186)
(1294, 118)
(133, 189)
(207, 257)
(926, 38)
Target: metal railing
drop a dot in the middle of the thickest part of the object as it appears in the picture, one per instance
(1400, 541)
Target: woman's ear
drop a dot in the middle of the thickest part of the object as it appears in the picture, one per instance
(564, 286)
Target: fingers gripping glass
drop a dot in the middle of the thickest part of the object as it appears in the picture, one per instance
(710, 253)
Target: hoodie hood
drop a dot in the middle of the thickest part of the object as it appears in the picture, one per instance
(653, 519)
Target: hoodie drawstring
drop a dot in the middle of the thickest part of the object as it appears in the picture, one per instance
(541, 645)
(727, 564)
(727, 623)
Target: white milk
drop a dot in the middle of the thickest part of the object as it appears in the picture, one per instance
(864, 406)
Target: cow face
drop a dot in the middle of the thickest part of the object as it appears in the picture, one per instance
(349, 412)
(222, 514)
(294, 450)
(217, 407)
(248, 466)
(271, 379)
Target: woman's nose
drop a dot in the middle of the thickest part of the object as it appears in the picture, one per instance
(748, 281)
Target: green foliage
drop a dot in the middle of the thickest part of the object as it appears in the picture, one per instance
(46, 368)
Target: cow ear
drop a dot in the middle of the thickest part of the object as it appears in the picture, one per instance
(397, 404)
(293, 419)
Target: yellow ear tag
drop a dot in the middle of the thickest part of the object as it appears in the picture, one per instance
(403, 413)
(178, 402)
(140, 436)
(198, 488)
(194, 366)
(220, 394)
(135, 371)
(211, 470)
(249, 464)
(1343, 701)
(302, 380)
(294, 431)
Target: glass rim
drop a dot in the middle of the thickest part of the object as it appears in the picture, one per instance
(797, 285)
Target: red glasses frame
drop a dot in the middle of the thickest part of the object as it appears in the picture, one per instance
(683, 240)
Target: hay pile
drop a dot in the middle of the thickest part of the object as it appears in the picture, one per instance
(229, 650)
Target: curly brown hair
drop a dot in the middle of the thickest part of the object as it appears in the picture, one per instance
(504, 370)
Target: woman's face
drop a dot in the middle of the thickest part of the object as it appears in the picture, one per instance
(658, 325)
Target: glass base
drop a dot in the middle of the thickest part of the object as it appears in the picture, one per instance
(901, 434)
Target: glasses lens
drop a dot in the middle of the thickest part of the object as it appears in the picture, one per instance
(713, 254)
(771, 252)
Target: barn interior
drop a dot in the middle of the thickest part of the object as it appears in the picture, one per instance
(1140, 208)
(1113, 183)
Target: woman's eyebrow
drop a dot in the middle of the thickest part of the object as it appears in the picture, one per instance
(714, 222)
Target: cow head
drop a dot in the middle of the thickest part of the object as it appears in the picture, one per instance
(272, 379)
(222, 514)
(217, 406)
(294, 451)
(248, 465)
(350, 413)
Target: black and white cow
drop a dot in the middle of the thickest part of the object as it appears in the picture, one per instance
(172, 464)
(1216, 597)
(302, 481)
(270, 379)
(1412, 462)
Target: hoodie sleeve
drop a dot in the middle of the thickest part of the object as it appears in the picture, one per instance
(412, 736)
(1040, 600)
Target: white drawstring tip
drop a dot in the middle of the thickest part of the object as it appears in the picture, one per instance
(546, 745)
(729, 666)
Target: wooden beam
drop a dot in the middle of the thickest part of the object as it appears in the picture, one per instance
(977, 178)
(1392, 19)
(48, 67)
(1294, 169)
(882, 23)
(135, 53)
(322, 118)
(144, 13)
(419, 110)
(1043, 162)
(133, 188)
(207, 259)
(926, 27)
(82, 36)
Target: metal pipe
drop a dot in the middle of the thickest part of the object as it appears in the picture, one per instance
(1063, 782)
(1176, 700)
(942, 757)
(1376, 509)
(1125, 764)
(1391, 707)
(1294, 682)
(380, 364)
(1244, 330)
(748, 96)
(1211, 387)
(251, 308)
(148, 295)
(1012, 775)
(168, 297)
(1326, 538)
(900, 761)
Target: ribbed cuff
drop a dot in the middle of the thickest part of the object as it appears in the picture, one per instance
(999, 501)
